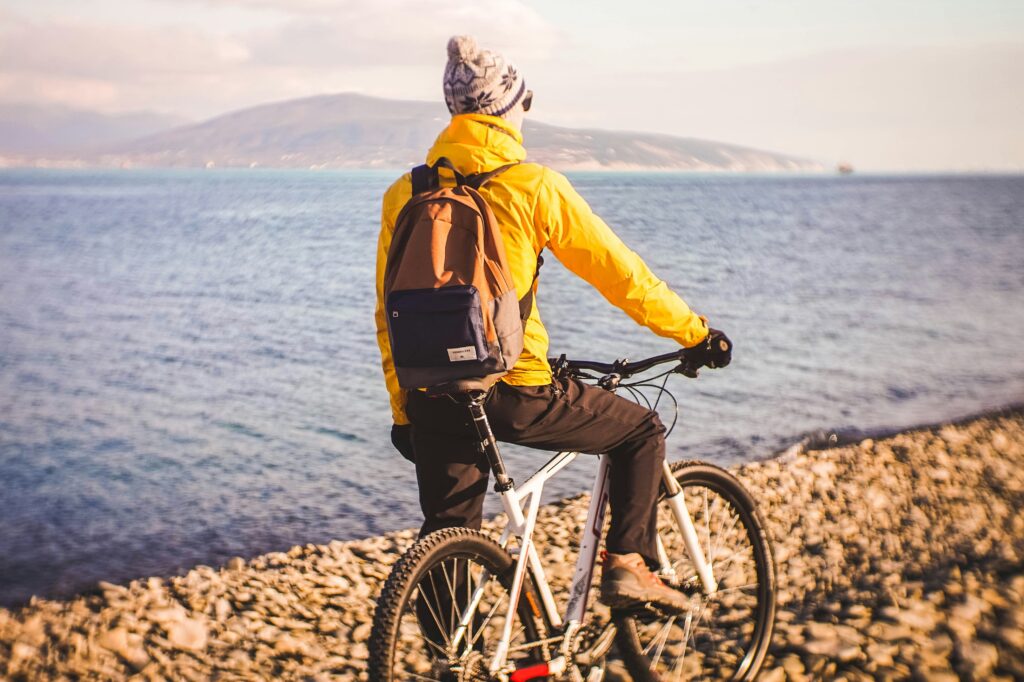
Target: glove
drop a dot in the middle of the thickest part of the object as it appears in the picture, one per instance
(401, 438)
(714, 351)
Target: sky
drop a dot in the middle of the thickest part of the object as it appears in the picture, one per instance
(884, 84)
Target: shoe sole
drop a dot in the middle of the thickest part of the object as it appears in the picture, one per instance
(626, 595)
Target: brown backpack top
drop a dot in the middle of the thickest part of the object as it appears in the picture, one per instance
(454, 321)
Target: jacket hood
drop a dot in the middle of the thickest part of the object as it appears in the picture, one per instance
(476, 143)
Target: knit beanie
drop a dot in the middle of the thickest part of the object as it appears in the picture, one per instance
(479, 81)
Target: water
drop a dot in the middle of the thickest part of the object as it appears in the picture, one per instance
(188, 368)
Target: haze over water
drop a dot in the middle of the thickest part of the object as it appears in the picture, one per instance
(188, 369)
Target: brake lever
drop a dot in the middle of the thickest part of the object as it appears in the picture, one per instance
(687, 370)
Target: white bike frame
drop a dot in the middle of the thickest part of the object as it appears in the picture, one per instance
(522, 506)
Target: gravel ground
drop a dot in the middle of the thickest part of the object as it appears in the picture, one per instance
(898, 559)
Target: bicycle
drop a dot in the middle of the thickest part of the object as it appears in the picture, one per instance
(445, 612)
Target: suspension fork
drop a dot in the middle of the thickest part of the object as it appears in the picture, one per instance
(677, 503)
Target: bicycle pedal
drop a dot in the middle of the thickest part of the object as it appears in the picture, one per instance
(647, 610)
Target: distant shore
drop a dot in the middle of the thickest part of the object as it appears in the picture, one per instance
(898, 558)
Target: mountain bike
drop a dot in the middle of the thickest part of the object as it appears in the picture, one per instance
(460, 605)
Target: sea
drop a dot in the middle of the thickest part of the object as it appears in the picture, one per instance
(189, 372)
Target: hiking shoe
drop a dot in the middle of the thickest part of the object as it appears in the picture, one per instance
(627, 582)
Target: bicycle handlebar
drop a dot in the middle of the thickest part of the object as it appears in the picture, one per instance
(626, 368)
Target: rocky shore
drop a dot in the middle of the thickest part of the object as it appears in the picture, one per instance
(898, 559)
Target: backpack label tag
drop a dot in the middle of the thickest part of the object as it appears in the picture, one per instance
(462, 354)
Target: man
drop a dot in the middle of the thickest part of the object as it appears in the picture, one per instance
(537, 208)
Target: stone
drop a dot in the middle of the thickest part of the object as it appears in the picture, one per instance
(33, 631)
(979, 659)
(881, 654)
(848, 653)
(126, 645)
(970, 610)
(962, 630)
(168, 614)
(793, 666)
(919, 617)
(188, 633)
(361, 632)
(287, 645)
(222, 609)
(821, 631)
(20, 651)
(1013, 637)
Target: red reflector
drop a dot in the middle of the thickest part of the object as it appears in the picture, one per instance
(531, 673)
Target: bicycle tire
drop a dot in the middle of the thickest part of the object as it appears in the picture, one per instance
(642, 655)
(398, 599)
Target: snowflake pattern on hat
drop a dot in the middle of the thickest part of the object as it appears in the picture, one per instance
(477, 102)
(508, 79)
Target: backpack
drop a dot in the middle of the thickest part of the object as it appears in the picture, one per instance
(453, 318)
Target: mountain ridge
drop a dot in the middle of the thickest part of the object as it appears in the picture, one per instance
(33, 130)
(350, 130)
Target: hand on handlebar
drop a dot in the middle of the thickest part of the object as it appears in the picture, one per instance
(714, 351)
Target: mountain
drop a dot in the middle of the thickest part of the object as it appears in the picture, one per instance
(34, 130)
(357, 131)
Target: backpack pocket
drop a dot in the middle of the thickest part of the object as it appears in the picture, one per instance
(436, 327)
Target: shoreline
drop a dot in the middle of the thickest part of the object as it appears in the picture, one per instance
(899, 554)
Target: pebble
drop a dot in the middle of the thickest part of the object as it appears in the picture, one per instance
(188, 633)
(126, 645)
(898, 558)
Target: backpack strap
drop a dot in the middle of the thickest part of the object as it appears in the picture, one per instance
(445, 162)
(476, 181)
(424, 179)
(526, 302)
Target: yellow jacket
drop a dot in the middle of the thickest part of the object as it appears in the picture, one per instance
(536, 209)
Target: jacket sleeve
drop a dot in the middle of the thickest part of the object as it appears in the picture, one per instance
(393, 201)
(588, 247)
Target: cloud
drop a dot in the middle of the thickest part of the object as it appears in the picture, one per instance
(389, 48)
(72, 49)
(886, 108)
(322, 34)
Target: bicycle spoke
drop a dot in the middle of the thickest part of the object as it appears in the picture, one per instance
(490, 615)
(442, 652)
(732, 557)
(433, 613)
(654, 639)
(451, 591)
(722, 536)
(707, 523)
(738, 588)
(660, 640)
(686, 630)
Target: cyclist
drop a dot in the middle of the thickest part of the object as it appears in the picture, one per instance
(537, 208)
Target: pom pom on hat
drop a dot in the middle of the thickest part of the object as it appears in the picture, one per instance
(462, 48)
(480, 81)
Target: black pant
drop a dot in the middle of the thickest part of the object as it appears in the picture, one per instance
(567, 415)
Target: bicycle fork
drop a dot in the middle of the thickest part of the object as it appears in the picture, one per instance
(677, 503)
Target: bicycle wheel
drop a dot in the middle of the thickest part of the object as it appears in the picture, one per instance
(416, 628)
(724, 635)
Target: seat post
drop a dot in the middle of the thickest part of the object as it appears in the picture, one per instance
(488, 444)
